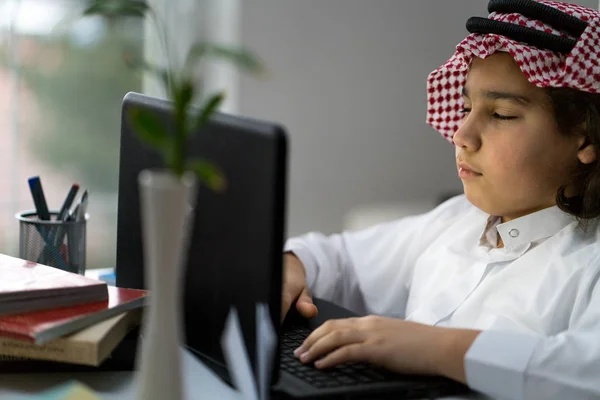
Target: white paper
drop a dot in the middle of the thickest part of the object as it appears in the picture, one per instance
(236, 357)
(201, 382)
(266, 342)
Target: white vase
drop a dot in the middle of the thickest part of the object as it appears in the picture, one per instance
(166, 204)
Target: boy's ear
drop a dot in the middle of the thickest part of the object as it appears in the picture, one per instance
(587, 152)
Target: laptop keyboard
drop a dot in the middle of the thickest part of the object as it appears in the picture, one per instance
(343, 375)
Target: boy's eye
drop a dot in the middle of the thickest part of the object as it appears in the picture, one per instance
(495, 115)
(503, 117)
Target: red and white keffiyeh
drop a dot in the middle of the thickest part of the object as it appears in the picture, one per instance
(578, 69)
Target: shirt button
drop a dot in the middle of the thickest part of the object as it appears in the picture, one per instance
(514, 233)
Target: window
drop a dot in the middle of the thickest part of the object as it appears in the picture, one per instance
(62, 79)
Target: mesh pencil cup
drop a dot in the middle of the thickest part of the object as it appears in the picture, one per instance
(59, 244)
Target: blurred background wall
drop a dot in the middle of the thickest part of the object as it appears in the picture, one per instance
(348, 81)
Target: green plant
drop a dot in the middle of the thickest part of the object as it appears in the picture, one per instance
(181, 88)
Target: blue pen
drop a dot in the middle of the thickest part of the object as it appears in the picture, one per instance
(48, 249)
(39, 200)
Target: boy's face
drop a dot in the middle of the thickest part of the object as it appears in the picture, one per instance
(509, 136)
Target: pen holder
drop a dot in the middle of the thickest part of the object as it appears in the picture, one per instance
(59, 244)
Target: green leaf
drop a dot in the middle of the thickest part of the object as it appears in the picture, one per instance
(241, 58)
(95, 8)
(134, 9)
(116, 8)
(149, 128)
(183, 93)
(209, 108)
(209, 174)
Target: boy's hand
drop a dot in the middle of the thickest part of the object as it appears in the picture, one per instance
(295, 289)
(395, 344)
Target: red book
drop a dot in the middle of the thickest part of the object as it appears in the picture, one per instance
(42, 326)
(27, 286)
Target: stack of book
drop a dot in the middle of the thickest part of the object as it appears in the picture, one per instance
(53, 315)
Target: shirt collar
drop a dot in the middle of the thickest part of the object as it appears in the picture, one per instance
(529, 228)
(489, 236)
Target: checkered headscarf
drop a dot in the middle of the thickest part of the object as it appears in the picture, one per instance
(554, 44)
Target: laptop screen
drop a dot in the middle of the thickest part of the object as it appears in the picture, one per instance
(235, 252)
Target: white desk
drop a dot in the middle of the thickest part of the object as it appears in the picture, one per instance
(199, 382)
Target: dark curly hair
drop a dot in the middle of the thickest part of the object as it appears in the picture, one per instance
(578, 113)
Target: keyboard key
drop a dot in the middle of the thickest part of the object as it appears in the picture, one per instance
(376, 376)
(345, 375)
(346, 380)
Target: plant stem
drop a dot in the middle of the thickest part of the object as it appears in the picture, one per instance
(163, 38)
(179, 143)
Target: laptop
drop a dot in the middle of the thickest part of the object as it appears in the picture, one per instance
(235, 256)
